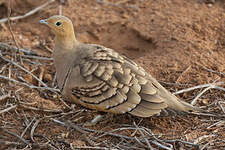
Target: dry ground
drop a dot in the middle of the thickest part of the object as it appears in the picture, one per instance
(180, 42)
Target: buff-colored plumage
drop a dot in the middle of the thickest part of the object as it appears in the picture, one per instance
(99, 78)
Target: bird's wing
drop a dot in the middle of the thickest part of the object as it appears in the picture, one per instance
(116, 84)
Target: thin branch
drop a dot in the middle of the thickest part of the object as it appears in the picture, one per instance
(222, 108)
(210, 70)
(207, 114)
(22, 68)
(156, 142)
(184, 142)
(14, 134)
(8, 109)
(4, 96)
(160, 145)
(28, 13)
(29, 86)
(10, 143)
(71, 125)
(41, 109)
(146, 140)
(203, 137)
(38, 57)
(10, 28)
(33, 129)
(219, 88)
(206, 89)
(60, 9)
(25, 130)
(6, 47)
(116, 4)
(219, 123)
(183, 73)
(4, 67)
(89, 147)
(193, 102)
(198, 87)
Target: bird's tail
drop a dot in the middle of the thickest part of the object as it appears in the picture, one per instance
(190, 108)
(172, 101)
(179, 105)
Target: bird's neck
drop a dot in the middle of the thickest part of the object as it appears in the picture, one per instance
(66, 42)
(64, 48)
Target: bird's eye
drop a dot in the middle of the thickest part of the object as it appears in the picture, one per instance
(58, 23)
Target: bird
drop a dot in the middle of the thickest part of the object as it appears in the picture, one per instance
(99, 78)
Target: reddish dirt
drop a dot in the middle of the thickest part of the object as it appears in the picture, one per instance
(179, 42)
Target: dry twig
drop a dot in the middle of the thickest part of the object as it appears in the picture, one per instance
(41, 109)
(198, 87)
(34, 127)
(4, 97)
(28, 13)
(8, 109)
(6, 47)
(27, 85)
(10, 27)
(25, 130)
(22, 68)
(15, 135)
(145, 139)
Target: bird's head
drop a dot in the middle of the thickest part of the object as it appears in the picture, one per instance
(60, 25)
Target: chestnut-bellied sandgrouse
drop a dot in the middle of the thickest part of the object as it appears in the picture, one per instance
(99, 78)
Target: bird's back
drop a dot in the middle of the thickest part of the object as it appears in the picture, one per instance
(102, 79)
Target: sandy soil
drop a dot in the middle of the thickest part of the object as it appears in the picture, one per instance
(181, 43)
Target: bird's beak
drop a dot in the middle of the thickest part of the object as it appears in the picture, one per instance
(43, 21)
